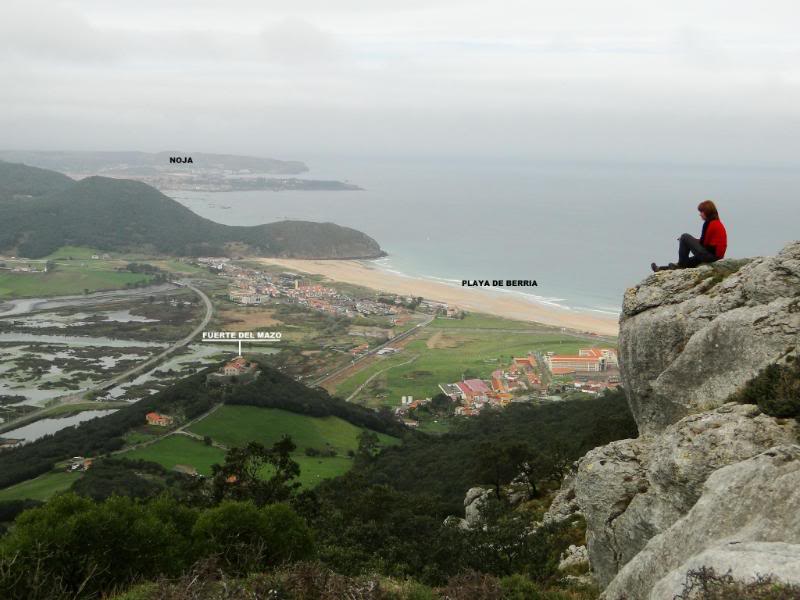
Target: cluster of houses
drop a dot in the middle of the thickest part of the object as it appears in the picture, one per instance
(253, 287)
(473, 395)
(522, 378)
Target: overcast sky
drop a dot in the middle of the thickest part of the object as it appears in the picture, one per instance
(647, 80)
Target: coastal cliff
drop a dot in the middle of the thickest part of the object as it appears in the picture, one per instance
(709, 482)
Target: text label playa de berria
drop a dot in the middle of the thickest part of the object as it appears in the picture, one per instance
(220, 336)
(499, 283)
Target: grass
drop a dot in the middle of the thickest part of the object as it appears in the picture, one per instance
(314, 470)
(66, 279)
(75, 252)
(40, 488)
(179, 450)
(132, 438)
(437, 427)
(237, 425)
(482, 321)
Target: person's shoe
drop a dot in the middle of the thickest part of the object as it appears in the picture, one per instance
(672, 266)
(655, 267)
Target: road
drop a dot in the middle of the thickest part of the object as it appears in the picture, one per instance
(179, 431)
(414, 330)
(117, 379)
(374, 375)
(120, 378)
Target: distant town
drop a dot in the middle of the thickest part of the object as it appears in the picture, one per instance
(591, 371)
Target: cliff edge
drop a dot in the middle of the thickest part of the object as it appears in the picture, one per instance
(708, 482)
(690, 338)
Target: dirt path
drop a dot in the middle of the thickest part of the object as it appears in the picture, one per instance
(374, 375)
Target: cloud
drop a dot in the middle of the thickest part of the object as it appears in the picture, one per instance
(45, 31)
(296, 41)
(579, 78)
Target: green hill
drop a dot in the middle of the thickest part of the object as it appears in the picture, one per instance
(123, 215)
(22, 181)
(233, 426)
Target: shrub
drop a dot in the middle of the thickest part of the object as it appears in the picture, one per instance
(706, 584)
(776, 390)
(245, 538)
(78, 546)
(472, 585)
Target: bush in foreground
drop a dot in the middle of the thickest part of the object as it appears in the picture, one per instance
(707, 584)
(776, 390)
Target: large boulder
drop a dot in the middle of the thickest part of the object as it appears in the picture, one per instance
(746, 518)
(632, 490)
(690, 338)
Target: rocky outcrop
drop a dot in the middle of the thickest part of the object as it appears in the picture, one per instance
(564, 505)
(747, 560)
(473, 501)
(574, 557)
(709, 482)
(745, 519)
(690, 338)
(632, 490)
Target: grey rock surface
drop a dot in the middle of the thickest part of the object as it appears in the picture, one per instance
(753, 500)
(574, 556)
(472, 505)
(690, 338)
(564, 506)
(631, 490)
(745, 561)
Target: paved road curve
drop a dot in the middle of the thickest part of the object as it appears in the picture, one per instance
(117, 379)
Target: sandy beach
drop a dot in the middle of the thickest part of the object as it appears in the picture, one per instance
(478, 299)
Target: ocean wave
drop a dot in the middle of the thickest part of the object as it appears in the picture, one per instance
(385, 264)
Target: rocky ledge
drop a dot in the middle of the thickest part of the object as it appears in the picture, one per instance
(690, 338)
(709, 482)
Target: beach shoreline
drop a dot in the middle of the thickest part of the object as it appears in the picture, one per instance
(483, 300)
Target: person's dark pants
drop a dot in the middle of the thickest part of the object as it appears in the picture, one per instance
(691, 244)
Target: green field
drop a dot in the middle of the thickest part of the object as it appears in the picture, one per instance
(40, 488)
(481, 321)
(314, 470)
(237, 425)
(174, 450)
(74, 252)
(66, 279)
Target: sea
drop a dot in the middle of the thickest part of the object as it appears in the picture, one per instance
(583, 231)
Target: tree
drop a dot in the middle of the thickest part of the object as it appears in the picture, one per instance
(498, 465)
(442, 404)
(368, 446)
(245, 538)
(241, 477)
(74, 546)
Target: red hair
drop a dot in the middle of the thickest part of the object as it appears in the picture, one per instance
(709, 209)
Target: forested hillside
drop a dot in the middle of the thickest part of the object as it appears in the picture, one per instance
(41, 211)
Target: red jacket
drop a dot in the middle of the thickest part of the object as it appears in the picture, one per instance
(714, 237)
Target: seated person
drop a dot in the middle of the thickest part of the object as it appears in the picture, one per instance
(709, 248)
